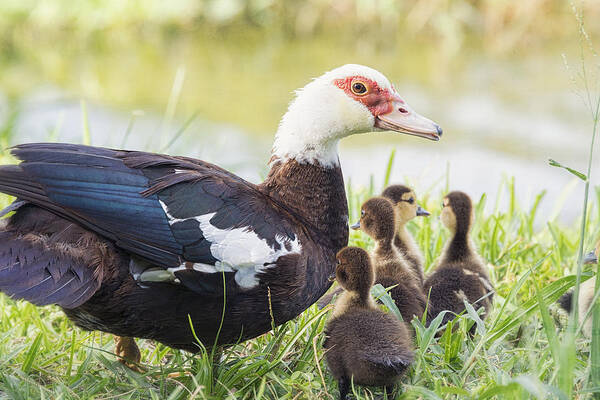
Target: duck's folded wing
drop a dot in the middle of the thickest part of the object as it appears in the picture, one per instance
(173, 212)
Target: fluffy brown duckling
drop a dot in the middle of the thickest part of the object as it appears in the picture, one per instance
(378, 220)
(405, 205)
(405, 208)
(363, 344)
(586, 295)
(461, 273)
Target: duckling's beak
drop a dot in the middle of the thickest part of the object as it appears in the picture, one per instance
(403, 119)
(421, 212)
(331, 277)
(590, 258)
(356, 225)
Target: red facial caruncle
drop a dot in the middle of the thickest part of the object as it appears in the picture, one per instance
(390, 111)
(378, 100)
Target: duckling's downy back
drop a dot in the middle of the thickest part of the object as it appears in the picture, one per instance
(368, 345)
(461, 273)
(363, 343)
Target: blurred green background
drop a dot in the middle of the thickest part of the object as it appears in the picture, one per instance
(218, 74)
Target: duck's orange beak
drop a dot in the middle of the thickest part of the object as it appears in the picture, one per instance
(403, 119)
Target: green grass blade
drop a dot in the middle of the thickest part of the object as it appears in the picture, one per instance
(380, 293)
(32, 354)
(86, 137)
(132, 118)
(595, 345)
(55, 132)
(388, 169)
(174, 97)
(578, 174)
(178, 134)
(550, 293)
(71, 356)
(548, 323)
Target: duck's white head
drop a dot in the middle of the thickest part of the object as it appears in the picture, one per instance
(347, 100)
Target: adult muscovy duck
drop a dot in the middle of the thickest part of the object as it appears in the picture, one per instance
(140, 244)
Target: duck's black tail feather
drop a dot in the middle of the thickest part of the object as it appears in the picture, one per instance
(45, 268)
(566, 301)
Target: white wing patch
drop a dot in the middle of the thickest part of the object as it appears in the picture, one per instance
(238, 249)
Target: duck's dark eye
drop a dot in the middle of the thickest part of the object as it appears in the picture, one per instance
(362, 213)
(359, 88)
(338, 261)
(411, 200)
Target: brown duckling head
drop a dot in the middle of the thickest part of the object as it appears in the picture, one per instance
(405, 203)
(457, 212)
(377, 219)
(353, 271)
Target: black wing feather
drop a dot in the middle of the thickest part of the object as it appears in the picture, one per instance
(116, 194)
(94, 187)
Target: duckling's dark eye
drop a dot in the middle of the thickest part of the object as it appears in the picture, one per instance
(359, 88)
(338, 261)
(362, 213)
(411, 200)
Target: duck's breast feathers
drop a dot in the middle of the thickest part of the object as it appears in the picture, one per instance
(175, 212)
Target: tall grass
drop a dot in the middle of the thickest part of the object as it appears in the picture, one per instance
(589, 80)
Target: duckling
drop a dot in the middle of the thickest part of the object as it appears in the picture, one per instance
(378, 220)
(461, 273)
(406, 207)
(363, 344)
(586, 295)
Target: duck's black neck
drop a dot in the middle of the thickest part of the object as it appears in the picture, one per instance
(315, 194)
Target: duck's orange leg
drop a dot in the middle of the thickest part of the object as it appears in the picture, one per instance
(128, 352)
